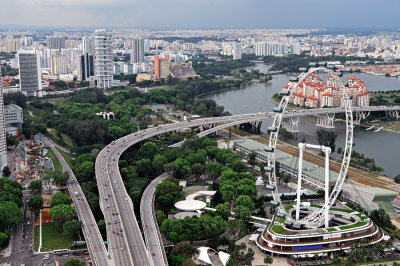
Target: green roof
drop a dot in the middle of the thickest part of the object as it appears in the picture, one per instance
(381, 194)
(284, 158)
(387, 206)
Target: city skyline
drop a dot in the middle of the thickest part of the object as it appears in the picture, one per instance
(222, 14)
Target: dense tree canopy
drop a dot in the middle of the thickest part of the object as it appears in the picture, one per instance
(61, 214)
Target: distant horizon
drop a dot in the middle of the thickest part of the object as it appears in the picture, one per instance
(328, 30)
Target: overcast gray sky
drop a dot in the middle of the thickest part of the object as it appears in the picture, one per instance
(198, 14)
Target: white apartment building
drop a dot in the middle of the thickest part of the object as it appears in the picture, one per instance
(103, 59)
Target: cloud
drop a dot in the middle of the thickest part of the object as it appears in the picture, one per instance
(164, 14)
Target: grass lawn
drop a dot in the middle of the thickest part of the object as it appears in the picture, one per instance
(52, 239)
(56, 162)
(67, 157)
(277, 229)
(65, 140)
(331, 229)
(281, 220)
(342, 210)
(288, 207)
(36, 237)
(359, 224)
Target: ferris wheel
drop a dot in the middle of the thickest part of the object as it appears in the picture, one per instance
(317, 217)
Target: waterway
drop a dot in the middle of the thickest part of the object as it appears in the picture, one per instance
(382, 146)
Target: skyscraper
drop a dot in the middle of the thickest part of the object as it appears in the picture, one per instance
(55, 42)
(88, 44)
(85, 66)
(103, 59)
(59, 64)
(161, 67)
(3, 142)
(137, 54)
(237, 51)
(30, 75)
(12, 45)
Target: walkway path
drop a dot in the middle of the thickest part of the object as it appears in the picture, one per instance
(40, 232)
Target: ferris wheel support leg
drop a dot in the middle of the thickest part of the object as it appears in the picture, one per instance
(327, 151)
(299, 176)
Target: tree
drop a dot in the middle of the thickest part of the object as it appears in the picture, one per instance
(102, 227)
(11, 140)
(61, 178)
(36, 187)
(6, 171)
(72, 230)
(245, 201)
(286, 178)
(223, 210)
(148, 150)
(10, 191)
(160, 216)
(213, 170)
(74, 262)
(185, 249)
(3, 240)
(86, 157)
(268, 260)
(85, 171)
(197, 169)
(158, 163)
(167, 186)
(10, 214)
(327, 138)
(166, 202)
(35, 203)
(61, 214)
(239, 166)
(248, 187)
(242, 213)
(397, 179)
(252, 158)
(227, 189)
(60, 198)
(182, 168)
(144, 167)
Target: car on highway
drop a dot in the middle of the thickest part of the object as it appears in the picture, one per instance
(113, 231)
(23, 249)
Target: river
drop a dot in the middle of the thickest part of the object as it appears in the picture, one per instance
(382, 146)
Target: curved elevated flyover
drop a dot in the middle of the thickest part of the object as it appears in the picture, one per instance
(93, 238)
(111, 185)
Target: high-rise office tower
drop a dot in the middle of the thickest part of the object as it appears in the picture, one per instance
(237, 51)
(103, 59)
(3, 142)
(88, 44)
(85, 66)
(137, 55)
(30, 75)
(161, 67)
(59, 64)
(56, 42)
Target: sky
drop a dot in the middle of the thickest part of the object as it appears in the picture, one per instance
(202, 14)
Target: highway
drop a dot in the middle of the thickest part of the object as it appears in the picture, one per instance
(151, 231)
(94, 241)
(129, 248)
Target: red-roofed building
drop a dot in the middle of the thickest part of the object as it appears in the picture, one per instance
(313, 93)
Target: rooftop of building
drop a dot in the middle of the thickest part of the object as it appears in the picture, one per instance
(12, 106)
(284, 158)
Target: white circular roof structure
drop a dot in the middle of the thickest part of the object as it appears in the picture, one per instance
(190, 205)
